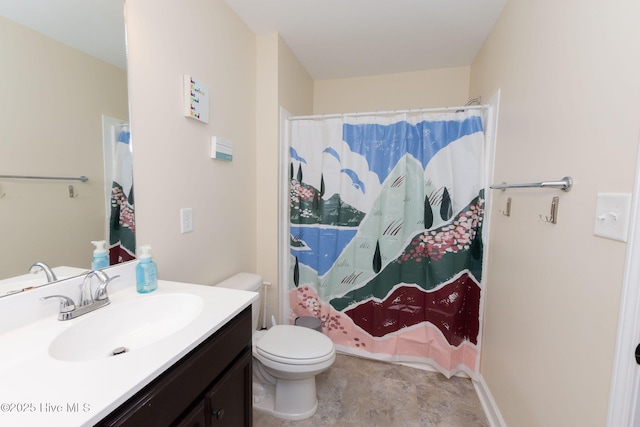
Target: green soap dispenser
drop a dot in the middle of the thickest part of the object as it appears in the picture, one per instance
(146, 272)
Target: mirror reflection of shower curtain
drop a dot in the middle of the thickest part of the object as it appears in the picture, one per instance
(122, 240)
(386, 235)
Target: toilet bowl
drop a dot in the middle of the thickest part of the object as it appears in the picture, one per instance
(286, 360)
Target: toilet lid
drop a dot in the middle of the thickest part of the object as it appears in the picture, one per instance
(289, 343)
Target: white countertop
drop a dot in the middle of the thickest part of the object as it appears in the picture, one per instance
(38, 390)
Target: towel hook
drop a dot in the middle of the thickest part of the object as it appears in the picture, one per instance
(72, 192)
(507, 209)
(553, 218)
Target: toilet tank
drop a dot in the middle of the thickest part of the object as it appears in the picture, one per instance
(246, 282)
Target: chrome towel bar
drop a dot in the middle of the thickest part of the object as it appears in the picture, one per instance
(57, 178)
(564, 184)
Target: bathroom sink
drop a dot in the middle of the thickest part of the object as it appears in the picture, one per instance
(117, 329)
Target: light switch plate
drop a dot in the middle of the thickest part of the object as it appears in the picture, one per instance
(186, 220)
(612, 216)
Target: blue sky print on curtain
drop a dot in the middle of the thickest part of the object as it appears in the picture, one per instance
(367, 196)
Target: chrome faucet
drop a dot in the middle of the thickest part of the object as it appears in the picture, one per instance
(51, 276)
(85, 288)
(87, 302)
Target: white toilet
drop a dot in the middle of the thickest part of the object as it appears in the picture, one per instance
(286, 360)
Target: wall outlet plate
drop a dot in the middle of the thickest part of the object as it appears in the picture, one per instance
(612, 216)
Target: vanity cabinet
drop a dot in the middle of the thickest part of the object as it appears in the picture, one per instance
(210, 386)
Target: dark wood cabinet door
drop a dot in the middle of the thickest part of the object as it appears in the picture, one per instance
(228, 403)
(195, 418)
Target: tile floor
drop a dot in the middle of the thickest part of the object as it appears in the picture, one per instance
(357, 392)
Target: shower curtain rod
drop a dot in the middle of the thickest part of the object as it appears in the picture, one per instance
(384, 113)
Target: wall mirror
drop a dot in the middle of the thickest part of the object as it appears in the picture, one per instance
(63, 109)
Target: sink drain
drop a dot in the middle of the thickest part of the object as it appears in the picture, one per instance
(119, 350)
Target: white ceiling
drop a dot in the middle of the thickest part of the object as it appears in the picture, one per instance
(347, 38)
(331, 38)
(95, 27)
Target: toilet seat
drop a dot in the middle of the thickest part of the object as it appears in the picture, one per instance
(295, 345)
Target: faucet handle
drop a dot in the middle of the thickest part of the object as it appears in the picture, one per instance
(101, 292)
(101, 275)
(66, 304)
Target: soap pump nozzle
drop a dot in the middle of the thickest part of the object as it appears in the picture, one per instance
(101, 246)
(145, 251)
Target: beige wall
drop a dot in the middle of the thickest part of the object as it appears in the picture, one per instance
(282, 82)
(267, 168)
(295, 85)
(172, 164)
(53, 99)
(419, 89)
(569, 79)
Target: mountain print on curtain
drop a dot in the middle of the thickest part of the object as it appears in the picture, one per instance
(386, 235)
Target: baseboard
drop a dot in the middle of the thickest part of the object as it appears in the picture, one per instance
(488, 404)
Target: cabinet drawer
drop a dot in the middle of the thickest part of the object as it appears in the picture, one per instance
(169, 395)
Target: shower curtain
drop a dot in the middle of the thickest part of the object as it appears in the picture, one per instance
(386, 239)
(122, 239)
